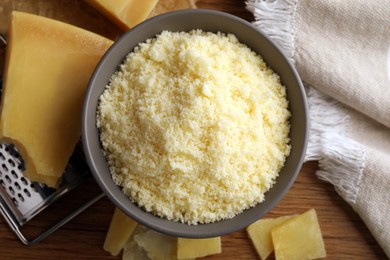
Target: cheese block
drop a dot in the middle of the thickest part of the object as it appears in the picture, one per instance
(260, 234)
(120, 230)
(299, 238)
(125, 13)
(194, 248)
(48, 65)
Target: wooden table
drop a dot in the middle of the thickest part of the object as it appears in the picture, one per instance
(345, 235)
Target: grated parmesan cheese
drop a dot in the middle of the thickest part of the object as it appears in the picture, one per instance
(194, 126)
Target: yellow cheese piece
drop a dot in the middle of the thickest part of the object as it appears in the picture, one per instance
(260, 234)
(131, 250)
(194, 248)
(125, 13)
(299, 238)
(157, 246)
(119, 232)
(148, 244)
(48, 65)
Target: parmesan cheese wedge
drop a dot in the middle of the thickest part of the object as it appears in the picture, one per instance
(119, 232)
(48, 65)
(124, 13)
(260, 234)
(299, 238)
(194, 248)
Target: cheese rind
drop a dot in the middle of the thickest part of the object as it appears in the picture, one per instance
(194, 248)
(119, 232)
(48, 65)
(299, 238)
(260, 234)
(125, 13)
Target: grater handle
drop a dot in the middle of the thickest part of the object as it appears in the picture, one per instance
(62, 222)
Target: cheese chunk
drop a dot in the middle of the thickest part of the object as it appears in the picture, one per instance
(299, 238)
(119, 232)
(131, 250)
(125, 13)
(194, 248)
(260, 234)
(48, 65)
(156, 245)
(149, 244)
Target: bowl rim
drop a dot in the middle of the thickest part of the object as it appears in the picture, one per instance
(155, 222)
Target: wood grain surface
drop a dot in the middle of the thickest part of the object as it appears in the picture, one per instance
(344, 233)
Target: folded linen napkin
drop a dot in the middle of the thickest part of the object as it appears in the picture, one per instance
(341, 49)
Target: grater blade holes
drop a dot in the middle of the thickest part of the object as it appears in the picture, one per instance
(11, 162)
(21, 192)
(5, 168)
(11, 190)
(24, 198)
(34, 187)
(14, 175)
(8, 179)
(16, 184)
(15, 202)
(24, 181)
(27, 193)
(20, 197)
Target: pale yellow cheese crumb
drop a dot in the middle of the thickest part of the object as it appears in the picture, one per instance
(299, 238)
(194, 126)
(260, 234)
(194, 248)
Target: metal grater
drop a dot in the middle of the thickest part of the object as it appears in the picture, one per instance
(21, 199)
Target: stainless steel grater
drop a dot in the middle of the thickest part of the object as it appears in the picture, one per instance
(21, 199)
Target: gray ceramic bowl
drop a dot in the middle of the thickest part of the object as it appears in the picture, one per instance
(186, 20)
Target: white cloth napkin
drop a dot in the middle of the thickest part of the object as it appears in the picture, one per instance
(341, 49)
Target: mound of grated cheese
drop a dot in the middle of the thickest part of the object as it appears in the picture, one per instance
(194, 126)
